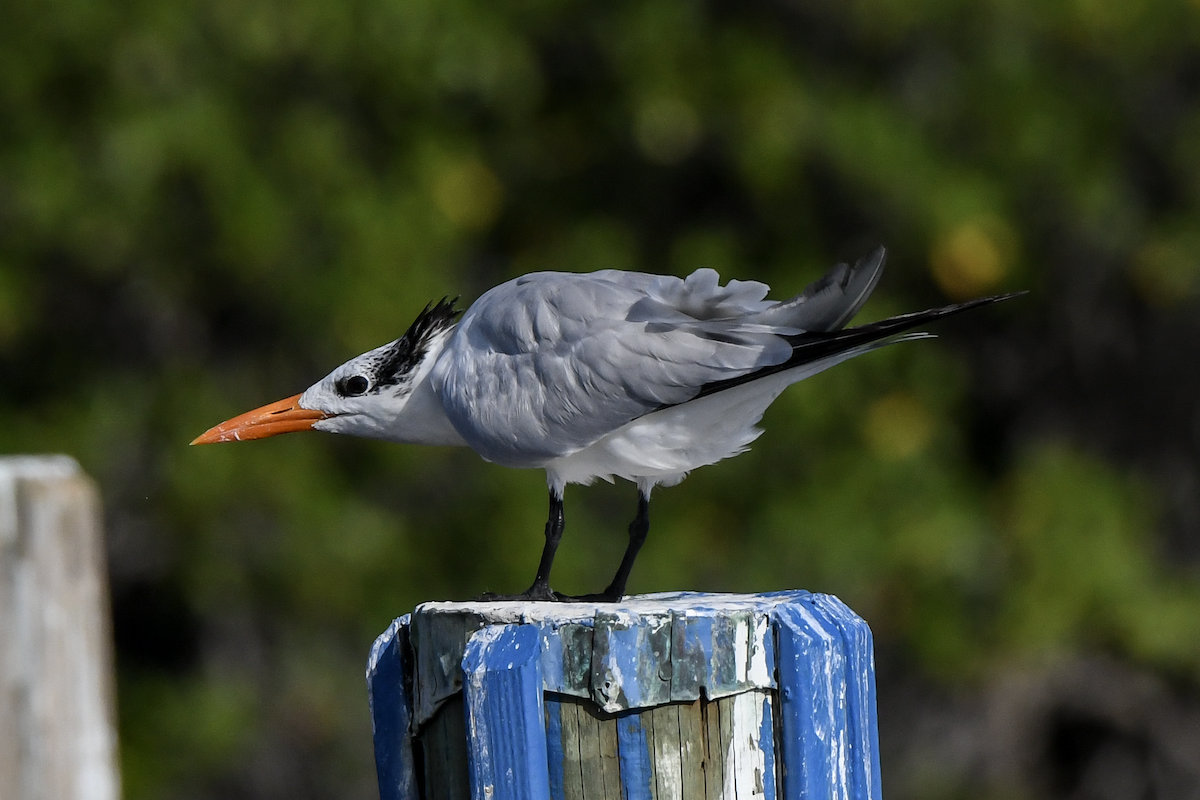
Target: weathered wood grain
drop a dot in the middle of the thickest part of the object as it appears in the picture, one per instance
(725, 732)
(714, 751)
(681, 751)
(610, 761)
(591, 766)
(57, 734)
(668, 761)
(438, 644)
(444, 746)
(575, 784)
(692, 749)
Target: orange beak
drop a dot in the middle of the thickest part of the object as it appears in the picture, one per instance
(284, 416)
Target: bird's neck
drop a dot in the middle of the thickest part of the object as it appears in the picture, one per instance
(423, 421)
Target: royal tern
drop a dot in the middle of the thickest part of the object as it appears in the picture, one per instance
(596, 375)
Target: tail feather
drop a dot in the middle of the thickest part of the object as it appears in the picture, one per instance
(817, 345)
(831, 301)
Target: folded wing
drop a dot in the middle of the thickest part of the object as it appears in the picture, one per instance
(545, 365)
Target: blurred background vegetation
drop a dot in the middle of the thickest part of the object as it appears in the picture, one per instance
(205, 206)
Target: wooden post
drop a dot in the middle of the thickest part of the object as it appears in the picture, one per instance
(679, 696)
(57, 737)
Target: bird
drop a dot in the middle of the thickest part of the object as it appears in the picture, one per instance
(600, 375)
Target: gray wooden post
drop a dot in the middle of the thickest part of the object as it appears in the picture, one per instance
(57, 737)
(681, 696)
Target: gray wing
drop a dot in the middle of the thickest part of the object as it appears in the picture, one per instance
(545, 365)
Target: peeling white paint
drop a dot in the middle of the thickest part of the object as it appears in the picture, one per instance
(745, 763)
(381, 643)
(629, 610)
(741, 649)
(760, 671)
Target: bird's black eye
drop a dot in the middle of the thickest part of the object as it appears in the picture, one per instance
(354, 386)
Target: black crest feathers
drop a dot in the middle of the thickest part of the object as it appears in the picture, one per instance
(407, 351)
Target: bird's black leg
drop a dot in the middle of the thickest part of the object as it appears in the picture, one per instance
(637, 537)
(540, 590)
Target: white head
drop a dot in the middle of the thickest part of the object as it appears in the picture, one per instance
(363, 397)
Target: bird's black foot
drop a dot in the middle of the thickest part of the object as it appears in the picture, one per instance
(547, 595)
(607, 596)
(534, 594)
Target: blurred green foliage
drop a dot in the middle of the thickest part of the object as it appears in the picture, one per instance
(205, 206)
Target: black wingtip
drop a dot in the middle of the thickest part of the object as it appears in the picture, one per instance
(815, 345)
(965, 305)
(874, 331)
(953, 308)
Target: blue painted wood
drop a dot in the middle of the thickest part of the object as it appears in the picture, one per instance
(812, 688)
(705, 625)
(820, 738)
(554, 746)
(766, 743)
(633, 749)
(628, 658)
(863, 730)
(506, 734)
(708, 647)
(389, 698)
